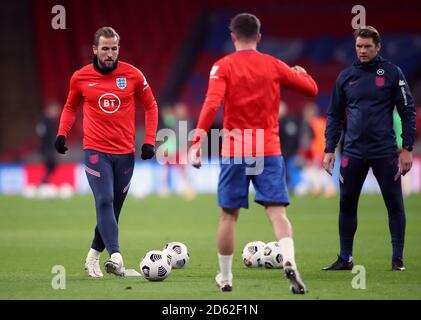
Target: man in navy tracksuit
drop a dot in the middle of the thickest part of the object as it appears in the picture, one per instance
(363, 101)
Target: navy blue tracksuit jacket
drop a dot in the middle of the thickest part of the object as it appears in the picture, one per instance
(362, 104)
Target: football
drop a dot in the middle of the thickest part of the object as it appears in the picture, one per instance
(155, 265)
(252, 254)
(272, 256)
(179, 254)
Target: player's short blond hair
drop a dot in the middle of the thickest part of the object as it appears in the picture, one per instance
(106, 32)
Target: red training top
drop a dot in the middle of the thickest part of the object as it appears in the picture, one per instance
(109, 108)
(249, 82)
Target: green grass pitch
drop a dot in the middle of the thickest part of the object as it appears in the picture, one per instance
(36, 235)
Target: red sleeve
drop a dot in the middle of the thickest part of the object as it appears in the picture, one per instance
(214, 96)
(151, 110)
(298, 81)
(68, 115)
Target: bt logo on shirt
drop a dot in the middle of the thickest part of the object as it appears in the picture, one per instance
(109, 102)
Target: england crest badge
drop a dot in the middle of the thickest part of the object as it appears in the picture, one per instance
(121, 83)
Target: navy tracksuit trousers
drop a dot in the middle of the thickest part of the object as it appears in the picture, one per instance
(352, 175)
(109, 177)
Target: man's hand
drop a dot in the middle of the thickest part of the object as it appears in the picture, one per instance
(405, 161)
(60, 144)
(148, 151)
(329, 162)
(195, 156)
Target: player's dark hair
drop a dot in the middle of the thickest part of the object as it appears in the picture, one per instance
(368, 32)
(106, 32)
(246, 26)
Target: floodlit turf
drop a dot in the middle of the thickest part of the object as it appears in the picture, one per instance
(36, 235)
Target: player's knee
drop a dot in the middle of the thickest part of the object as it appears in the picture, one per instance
(395, 208)
(348, 205)
(230, 214)
(104, 201)
(393, 201)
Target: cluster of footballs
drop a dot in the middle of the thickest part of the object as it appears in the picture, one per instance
(156, 265)
(259, 254)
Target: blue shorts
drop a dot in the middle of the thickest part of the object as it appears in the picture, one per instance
(269, 182)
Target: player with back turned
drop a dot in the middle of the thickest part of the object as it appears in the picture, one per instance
(107, 88)
(249, 83)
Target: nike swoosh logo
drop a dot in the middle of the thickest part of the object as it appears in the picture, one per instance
(92, 84)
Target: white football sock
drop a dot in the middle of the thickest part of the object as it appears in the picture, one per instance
(287, 249)
(116, 256)
(93, 254)
(225, 264)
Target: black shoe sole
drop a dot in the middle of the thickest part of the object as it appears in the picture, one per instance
(110, 267)
(226, 288)
(296, 286)
(336, 268)
(333, 269)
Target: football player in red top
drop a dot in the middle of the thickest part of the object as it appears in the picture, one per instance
(107, 88)
(249, 83)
